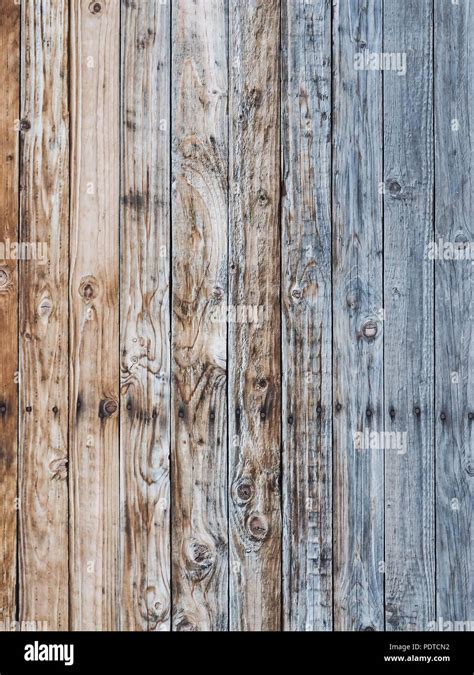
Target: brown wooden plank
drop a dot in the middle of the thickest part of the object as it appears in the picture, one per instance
(254, 338)
(199, 230)
(94, 324)
(145, 320)
(43, 281)
(9, 127)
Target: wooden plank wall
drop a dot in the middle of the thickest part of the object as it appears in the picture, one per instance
(236, 315)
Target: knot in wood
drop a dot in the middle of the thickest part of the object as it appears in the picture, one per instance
(200, 561)
(258, 526)
(394, 187)
(244, 490)
(88, 289)
(25, 125)
(108, 407)
(3, 408)
(370, 330)
(45, 307)
(262, 198)
(471, 416)
(186, 626)
(4, 277)
(58, 468)
(95, 8)
(417, 410)
(201, 553)
(297, 294)
(352, 301)
(218, 293)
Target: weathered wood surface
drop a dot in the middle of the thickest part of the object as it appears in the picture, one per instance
(408, 319)
(9, 184)
(145, 324)
(199, 264)
(306, 320)
(237, 216)
(43, 280)
(454, 311)
(254, 341)
(94, 313)
(358, 480)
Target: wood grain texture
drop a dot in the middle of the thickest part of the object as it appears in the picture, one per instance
(306, 307)
(358, 481)
(145, 317)
(43, 281)
(408, 318)
(94, 324)
(9, 163)
(199, 247)
(242, 386)
(454, 311)
(254, 338)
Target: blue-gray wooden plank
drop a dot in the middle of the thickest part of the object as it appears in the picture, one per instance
(357, 300)
(306, 315)
(408, 315)
(454, 120)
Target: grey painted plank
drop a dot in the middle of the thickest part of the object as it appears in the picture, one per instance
(254, 339)
(145, 317)
(357, 341)
(306, 315)
(454, 302)
(408, 327)
(199, 267)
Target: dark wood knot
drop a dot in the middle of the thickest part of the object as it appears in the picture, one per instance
(245, 490)
(108, 407)
(258, 526)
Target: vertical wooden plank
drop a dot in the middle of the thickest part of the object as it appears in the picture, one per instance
(43, 465)
(357, 300)
(254, 329)
(94, 331)
(454, 300)
(408, 326)
(9, 126)
(145, 320)
(307, 320)
(199, 217)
